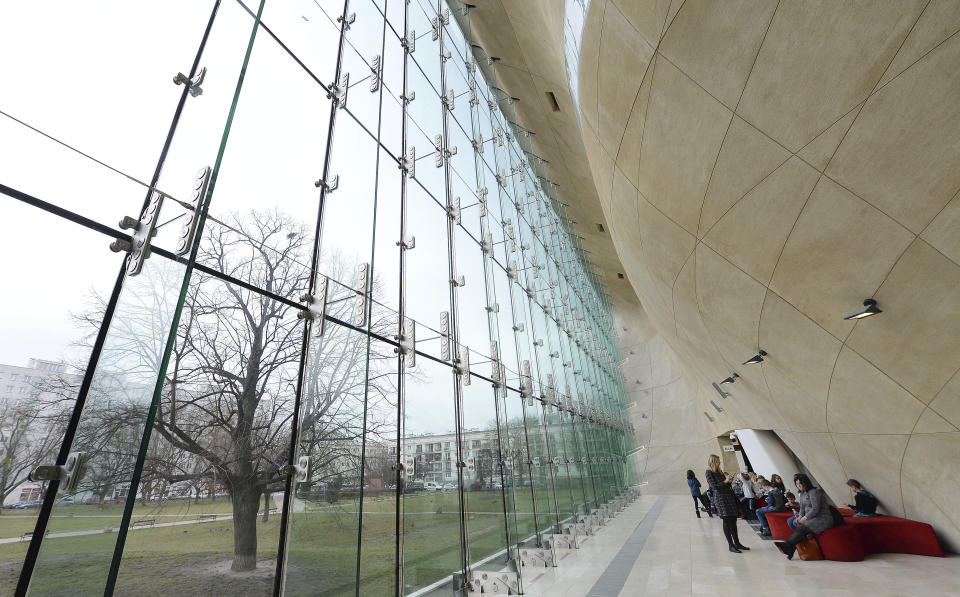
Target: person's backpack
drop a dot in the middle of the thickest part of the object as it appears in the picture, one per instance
(837, 517)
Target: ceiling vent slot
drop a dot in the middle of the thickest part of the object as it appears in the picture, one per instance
(552, 100)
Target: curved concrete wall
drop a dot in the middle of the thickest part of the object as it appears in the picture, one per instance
(761, 169)
(764, 168)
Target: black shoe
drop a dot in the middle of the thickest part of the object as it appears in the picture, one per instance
(698, 515)
(734, 549)
(742, 548)
(786, 549)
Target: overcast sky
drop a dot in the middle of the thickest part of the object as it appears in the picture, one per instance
(98, 76)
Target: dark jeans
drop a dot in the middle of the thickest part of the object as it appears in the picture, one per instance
(799, 535)
(792, 522)
(701, 499)
(762, 515)
(746, 506)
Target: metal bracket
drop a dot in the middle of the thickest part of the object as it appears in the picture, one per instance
(453, 210)
(375, 73)
(68, 474)
(338, 91)
(459, 281)
(449, 100)
(143, 230)
(410, 243)
(351, 18)
(463, 364)
(526, 383)
(298, 470)
(409, 163)
(435, 26)
(495, 368)
(316, 310)
(189, 228)
(565, 541)
(438, 151)
(360, 310)
(409, 43)
(328, 185)
(192, 84)
(408, 342)
(445, 335)
(494, 308)
(494, 583)
(537, 558)
(408, 97)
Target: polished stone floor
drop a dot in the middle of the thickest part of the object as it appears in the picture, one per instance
(684, 555)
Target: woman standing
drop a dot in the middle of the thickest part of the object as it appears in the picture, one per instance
(815, 516)
(698, 497)
(726, 502)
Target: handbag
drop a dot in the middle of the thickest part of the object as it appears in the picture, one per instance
(809, 550)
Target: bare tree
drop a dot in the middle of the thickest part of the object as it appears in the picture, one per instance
(28, 437)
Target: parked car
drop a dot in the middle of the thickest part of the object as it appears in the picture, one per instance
(449, 486)
(431, 486)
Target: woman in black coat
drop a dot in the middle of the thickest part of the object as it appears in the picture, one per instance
(725, 501)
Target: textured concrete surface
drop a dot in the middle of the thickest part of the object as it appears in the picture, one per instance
(761, 169)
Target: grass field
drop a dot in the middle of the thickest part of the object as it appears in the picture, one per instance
(194, 559)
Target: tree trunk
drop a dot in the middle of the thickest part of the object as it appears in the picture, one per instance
(266, 505)
(246, 498)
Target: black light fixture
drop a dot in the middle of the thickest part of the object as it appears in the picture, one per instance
(730, 379)
(869, 308)
(757, 358)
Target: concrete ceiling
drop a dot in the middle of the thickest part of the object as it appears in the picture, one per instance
(529, 66)
(762, 168)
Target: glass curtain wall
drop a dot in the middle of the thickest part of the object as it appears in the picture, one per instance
(342, 341)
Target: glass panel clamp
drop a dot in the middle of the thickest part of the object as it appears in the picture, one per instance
(193, 85)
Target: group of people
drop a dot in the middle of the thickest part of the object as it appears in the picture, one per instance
(730, 495)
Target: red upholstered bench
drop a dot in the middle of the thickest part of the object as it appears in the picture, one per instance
(890, 534)
(861, 536)
(778, 525)
(842, 544)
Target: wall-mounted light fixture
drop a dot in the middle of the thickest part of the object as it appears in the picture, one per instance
(719, 391)
(869, 308)
(730, 379)
(716, 406)
(757, 358)
(708, 416)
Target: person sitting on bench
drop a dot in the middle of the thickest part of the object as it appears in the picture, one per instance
(775, 503)
(865, 503)
(815, 516)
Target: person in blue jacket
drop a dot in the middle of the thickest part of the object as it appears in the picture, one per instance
(698, 498)
(865, 502)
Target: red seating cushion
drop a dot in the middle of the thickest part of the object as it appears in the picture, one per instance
(890, 534)
(862, 535)
(778, 525)
(842, 544)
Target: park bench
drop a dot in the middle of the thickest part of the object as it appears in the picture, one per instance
(146, 522)
(206, 517)
(29, 534)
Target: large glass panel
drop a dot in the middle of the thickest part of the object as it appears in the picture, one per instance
(110, 432)
(431, 501)
(324, 522)
(123, 389)
(378, 529)
(211, 490)
(46, 341)
(482, 481)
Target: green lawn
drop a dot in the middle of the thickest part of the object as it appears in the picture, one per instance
(322, 557)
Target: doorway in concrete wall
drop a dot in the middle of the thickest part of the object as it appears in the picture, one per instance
(763, 451)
